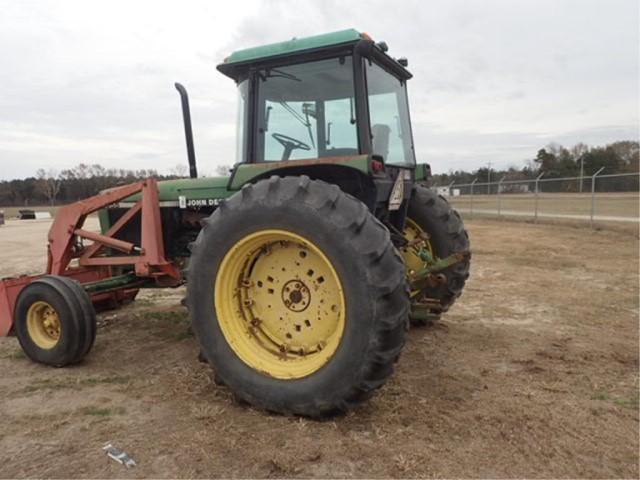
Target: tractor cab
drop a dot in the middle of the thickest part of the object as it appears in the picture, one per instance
(321, 97)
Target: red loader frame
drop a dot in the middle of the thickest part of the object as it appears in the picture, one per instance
(90, 265)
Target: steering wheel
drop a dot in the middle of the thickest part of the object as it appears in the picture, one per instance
(289, 144)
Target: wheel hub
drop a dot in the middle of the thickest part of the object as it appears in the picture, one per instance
(417, 239)
(43, 325)
(296, 295)
(286, 315)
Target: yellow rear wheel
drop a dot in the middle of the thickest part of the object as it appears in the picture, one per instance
(297, 297)
(417, 239)
(431, 217)
(280, 303)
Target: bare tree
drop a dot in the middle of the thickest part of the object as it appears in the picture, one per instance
(223, 170)
(49, 184)
(578, 150)
(179, 170)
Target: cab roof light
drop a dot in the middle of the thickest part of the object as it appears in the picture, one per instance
(383, 46)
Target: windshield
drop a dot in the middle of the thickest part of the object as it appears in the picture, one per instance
(389, 117)
(306, 111)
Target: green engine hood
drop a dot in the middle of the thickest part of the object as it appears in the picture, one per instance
(171, 191)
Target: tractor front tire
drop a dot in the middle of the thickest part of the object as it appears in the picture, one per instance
(298, 297)
(54, 321)
(432, 214)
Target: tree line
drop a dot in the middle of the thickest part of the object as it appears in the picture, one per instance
(52, 188)
(557, 161)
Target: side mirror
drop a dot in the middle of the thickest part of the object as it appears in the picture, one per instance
(423, 172)
(309, 110)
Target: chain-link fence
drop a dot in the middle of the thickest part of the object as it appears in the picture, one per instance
(598, 198)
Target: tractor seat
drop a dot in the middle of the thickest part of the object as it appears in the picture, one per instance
(381, 133)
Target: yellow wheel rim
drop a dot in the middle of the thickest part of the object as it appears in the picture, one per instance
(280, 304)
(412, 260)
(43, 325)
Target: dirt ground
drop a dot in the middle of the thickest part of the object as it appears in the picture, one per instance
(533, 373)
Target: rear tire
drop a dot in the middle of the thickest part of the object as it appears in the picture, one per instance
(54, 321)
(360, 266)
(434, 215)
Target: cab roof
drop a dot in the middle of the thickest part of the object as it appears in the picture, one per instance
(295, 45)
(240, 62)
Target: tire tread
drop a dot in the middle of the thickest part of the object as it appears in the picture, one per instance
(386, 279)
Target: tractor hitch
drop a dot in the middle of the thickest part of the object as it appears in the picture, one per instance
(429, 309)
(430, 273)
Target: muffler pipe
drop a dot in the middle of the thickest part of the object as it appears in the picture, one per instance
(188, 133)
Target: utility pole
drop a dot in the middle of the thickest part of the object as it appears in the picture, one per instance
(489, 179)
(593, 194)
(581, 171)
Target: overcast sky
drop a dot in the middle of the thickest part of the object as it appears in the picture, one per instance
(87, 81)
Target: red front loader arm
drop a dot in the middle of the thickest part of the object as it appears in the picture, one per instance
(65, 245)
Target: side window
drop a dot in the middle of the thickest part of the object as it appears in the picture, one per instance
(387, 138)
(340, 118)
(389, 117)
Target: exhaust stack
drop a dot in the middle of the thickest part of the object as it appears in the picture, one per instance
(188, 133)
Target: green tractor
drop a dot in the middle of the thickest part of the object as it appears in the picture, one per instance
(306, 264)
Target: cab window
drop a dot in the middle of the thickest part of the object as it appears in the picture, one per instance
(389, 117)
(306, 111)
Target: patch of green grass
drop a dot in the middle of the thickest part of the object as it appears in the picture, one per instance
(112, 380)
(169, 324)
(182, 335)
(632, 402)
(14, 355)
(144, 302)
(600, 396)
(64, 383)
(167, 316)
(543, 262)
(102, 412)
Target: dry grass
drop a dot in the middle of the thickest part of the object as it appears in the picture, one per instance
(533, 373)
(607, 204)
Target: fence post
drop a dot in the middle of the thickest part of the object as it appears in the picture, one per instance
(449, 188)
(471, 207)
(499, 197)
(535, 214)
(593, 195)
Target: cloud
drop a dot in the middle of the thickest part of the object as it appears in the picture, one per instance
(493, 80)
